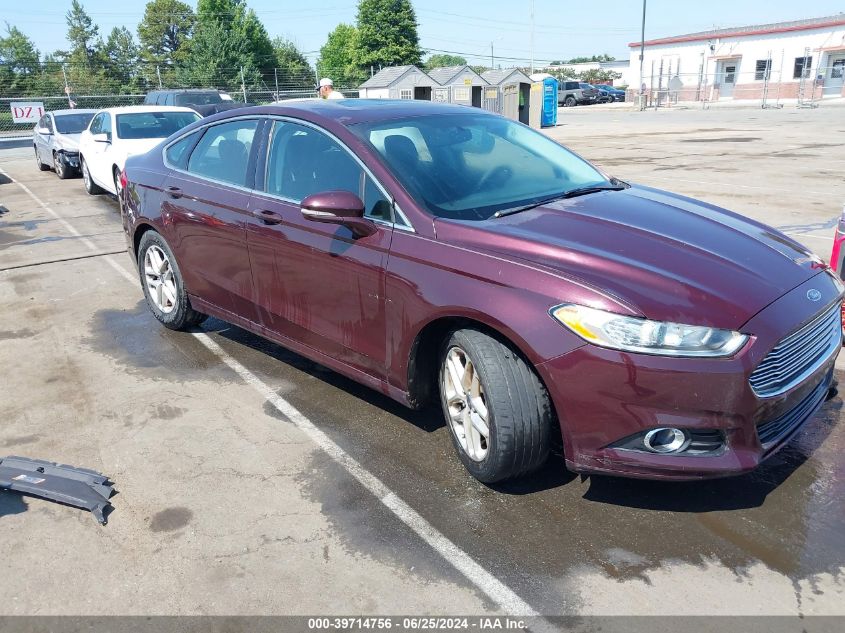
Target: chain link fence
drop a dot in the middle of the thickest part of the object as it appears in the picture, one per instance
(55, 86)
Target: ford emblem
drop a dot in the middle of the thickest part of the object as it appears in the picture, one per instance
(813, 294)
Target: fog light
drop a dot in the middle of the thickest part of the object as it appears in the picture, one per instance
(665, 440)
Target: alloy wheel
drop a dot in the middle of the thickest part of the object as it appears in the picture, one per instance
(466, 404)
(86, 176)
(158, 274)
(58, 166)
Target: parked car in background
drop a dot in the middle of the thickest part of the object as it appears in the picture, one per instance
(56, 140)
(435, 252)
(204, 102)
(614, 93)
(572, 93)
(116, 133)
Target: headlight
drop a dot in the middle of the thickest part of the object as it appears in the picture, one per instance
(632, 334)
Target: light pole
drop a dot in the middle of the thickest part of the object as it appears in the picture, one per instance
(532, 36)
(642, 53)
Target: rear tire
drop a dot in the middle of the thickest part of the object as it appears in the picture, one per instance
(91, 187)
(569, 102)
(41, 166)
(164, 288)
(502, 395)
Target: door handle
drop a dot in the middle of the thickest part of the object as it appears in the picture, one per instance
(269, 217)
(174, 192)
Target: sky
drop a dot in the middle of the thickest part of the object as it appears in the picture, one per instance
(562, 28)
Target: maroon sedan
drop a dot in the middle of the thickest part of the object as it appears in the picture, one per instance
(440, 252)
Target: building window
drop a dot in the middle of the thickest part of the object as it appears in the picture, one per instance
(763, 69)
(803, 66)
(406, 93)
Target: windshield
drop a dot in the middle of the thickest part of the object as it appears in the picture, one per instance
(198, 98)
(72, 123)
(153, 124)
(469, 166)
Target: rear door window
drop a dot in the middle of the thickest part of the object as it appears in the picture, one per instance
(223, 152)
(177, 153)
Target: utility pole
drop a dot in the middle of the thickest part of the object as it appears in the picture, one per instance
(276, 75)
(67, 88)
(492, 66)
(243, 83)
(642, 55)
(532, 36)
(158, 73)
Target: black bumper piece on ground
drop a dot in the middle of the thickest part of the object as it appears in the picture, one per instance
(78, 487)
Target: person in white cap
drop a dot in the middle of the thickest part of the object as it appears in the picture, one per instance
(327, 90)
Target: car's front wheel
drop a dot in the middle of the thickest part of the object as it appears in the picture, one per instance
(59, 166)
(163, 286)
(91, 187)
(497, 410)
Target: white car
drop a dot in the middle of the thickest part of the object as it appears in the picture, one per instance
(116, 133)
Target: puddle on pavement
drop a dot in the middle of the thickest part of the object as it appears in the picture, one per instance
(140, 344)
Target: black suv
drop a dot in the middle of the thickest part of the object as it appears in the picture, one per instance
(572, 93)
(204, 102)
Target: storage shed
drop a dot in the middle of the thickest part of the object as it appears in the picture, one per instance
(513, 87)
(398, 82)
(464, 85)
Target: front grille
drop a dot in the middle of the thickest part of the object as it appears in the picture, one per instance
(800, 354)
(771, 432)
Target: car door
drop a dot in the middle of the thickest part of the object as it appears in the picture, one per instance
(318, 283)
(94, 152)
(42, 141)
(206, 207)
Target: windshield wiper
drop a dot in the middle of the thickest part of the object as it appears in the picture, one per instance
(502, 213)
(616, 185)
(582, 191)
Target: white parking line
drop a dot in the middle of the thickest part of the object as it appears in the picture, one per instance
(495, 589)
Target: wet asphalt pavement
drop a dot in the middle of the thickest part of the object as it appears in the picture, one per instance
(769, 542)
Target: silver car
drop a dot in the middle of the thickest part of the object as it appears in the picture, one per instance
(56, 140)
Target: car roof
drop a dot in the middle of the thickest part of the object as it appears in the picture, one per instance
(144, 108)
(72, 111)
(352, 111)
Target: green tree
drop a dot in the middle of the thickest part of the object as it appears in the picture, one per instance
(228, 37)
(82, 34)
(121, 54)
(387, 34)
(294, 69)
(338, 57)
(166, 26)
(19, 62)
(599, 76)
(444, 59)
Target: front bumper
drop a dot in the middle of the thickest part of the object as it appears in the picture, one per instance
(603, 396)
(70, 159)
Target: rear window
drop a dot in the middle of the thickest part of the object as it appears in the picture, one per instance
(153, 124)
(198, 98)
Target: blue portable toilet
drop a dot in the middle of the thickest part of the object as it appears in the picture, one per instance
(548, 111)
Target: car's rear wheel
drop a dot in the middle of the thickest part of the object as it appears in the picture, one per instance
(569, 102)
(62, 170)
(41, 166)
(91, 187)
(163, 286)
(498, 413)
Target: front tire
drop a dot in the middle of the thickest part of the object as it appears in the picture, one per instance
(163, 286)
(62, 170)
(498, 413)
(91, 187)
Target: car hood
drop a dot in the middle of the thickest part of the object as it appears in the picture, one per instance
(665, 256)
(69, 142)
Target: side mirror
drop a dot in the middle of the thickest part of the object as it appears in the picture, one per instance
(338, 207)
(45, 131)
(101, 138)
